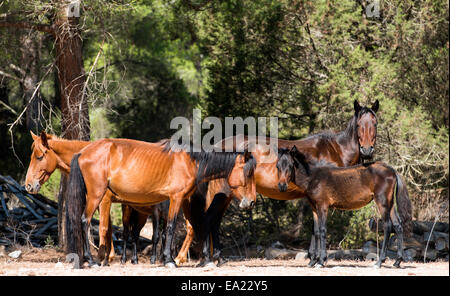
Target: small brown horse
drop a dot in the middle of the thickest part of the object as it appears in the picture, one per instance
(143, 174)
(345, 148)
(350, 188)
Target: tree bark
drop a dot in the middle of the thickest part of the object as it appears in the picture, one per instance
(74, 105)
(31, 42)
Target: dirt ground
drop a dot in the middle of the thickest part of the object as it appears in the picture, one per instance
(37, 262)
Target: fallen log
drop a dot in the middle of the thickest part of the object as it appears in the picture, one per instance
(419, 227)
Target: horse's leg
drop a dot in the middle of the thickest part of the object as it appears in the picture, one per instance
(217, 247)
(91, 206)
(174, 208)
(155, 237)
(104, 229)
(323, 212)
(399, 231)
(312, 245)
(387, 232)
(182, 254)
(126, 216)
(212, 217)
(139, 222)
(314, 254)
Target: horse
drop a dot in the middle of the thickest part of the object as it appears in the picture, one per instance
(143, 174)
(350, 188)
(49, 153)
(354, 144)
(134, 220)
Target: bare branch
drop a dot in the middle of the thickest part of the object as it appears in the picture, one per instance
(2, 73)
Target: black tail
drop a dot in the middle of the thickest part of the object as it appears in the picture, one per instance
(75, 204)
(404, 207)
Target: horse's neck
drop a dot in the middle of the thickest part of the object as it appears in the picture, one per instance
(65, 149)
(348, 143)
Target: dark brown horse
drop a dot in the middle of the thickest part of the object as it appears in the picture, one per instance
(350, 188)
(134, 220)
(143, 174)
(345, 148)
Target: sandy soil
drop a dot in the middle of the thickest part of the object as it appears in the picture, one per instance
(51, 262)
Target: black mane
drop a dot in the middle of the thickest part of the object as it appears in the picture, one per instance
(213, 165)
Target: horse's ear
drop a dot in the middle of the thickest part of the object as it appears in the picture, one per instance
(356, 106)
(375, 106)
(33, 135)
(44, 139)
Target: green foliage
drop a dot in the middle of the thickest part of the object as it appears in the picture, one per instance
(50, 188)
(302, 61)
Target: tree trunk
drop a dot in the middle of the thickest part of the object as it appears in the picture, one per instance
(74, 105)
(31, 42)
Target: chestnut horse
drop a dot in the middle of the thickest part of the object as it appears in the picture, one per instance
(350, 188)
(143, 174)
(49, 153)
(342, 149)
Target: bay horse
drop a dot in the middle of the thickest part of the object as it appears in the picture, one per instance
(350, 188)
(346, 148)
(144, 174)
(49, 153)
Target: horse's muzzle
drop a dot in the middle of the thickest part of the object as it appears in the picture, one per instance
(366, 153)
(33, 187)
(246, 203)
(282, 187)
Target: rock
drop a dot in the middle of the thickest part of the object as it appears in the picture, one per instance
(15, 254)
(301, 255)
(275, 253)
(410, 254)
(369, 247)
(372, 257)
(277, 245)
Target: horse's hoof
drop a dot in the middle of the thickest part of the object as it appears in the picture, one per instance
(221, 262)
(311, 263)
(134, 261)
(210, 265)
(105, 263)
(318, 265)
(377, 266)
(170, 265)
(94, 265)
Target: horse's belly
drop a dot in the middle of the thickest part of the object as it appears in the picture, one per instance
(353, 202)
(139, 198)
(276, 194)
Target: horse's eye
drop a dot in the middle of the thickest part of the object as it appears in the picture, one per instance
(39, 157)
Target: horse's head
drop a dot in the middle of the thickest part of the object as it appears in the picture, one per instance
(285, 168)
(242, 180)
(42, 164)
(366, 127)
